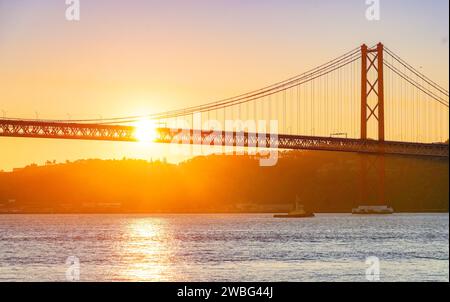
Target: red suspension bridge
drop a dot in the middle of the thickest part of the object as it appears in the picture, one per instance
(368, 100)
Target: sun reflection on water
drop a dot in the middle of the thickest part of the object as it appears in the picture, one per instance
(147, 250)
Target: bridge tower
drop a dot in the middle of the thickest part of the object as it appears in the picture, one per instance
(372, 84)
(372, 60)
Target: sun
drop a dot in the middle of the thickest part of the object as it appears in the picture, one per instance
(145, 131)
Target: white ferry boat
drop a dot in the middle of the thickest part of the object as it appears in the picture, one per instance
(373, 210)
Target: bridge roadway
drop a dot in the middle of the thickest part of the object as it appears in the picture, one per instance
(104, 132)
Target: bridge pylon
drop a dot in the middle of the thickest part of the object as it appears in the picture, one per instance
(372, 83)
(372, 63)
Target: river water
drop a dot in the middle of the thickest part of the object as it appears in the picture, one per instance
(330, 247)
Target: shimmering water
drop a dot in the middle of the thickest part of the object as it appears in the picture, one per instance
(411, 247)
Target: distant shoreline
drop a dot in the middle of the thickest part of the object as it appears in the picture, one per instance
(203, 213)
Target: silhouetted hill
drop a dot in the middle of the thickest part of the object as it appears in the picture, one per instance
(325, 182)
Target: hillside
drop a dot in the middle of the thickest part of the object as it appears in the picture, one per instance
(325, 182)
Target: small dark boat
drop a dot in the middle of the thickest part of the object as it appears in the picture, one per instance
(298, 212)
(305, 215)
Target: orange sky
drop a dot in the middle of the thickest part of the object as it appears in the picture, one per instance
(139, 57)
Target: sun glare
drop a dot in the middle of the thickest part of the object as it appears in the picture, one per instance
(145, 131)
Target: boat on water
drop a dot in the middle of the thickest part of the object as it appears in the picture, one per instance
(373, 210)
(298, 212)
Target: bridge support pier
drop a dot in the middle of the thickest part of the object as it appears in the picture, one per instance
(372, 180)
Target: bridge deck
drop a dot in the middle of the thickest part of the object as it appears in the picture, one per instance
(56, 130)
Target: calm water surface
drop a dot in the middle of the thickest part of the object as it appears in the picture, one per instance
(411, 247)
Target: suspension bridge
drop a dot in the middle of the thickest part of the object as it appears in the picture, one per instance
(368, 100)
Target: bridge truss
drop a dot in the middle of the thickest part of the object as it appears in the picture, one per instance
(58, 130)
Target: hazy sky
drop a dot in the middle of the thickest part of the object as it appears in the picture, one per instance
(137, 57)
